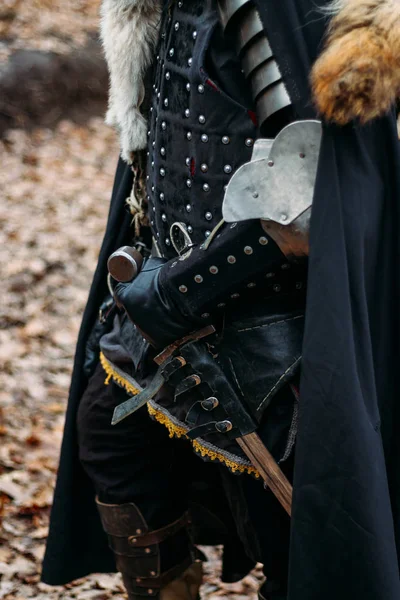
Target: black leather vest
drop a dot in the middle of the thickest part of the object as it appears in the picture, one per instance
(200, 132)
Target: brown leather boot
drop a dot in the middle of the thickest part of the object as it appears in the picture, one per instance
(137, 555)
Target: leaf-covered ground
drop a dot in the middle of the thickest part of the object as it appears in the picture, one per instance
(54, 195)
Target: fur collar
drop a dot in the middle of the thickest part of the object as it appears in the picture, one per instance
(357, 75)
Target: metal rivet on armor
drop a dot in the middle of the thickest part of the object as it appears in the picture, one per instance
(206, 187)
(248, 250)
(187, 161)
(158, 95)
(180, 4)
(205, 315)
(209, 403)
(271, 163)
(285, 266)
(150, 591)
(251, 285)
(249, 142)
(302, 155)
(213, 270)
(207, 234)
(165, 102)
(152, 188)
(152, 163)
(198, 279)
(168, 75)
(151, 109)
(148, 153)
(204, 138)
(208, 216)
(153, 573)
(225, 188)
(147, 177)
(139, 531)
(148, 133)
(231, 260)
(188, 87)
(176, 26)
(188, 207)
(163, 126)
(147, 550)
(202, 119)
(270, 275)
(183, 289)
(194, 35)
(152, 223)
(189, 183)
(227, 169)
(190, 60)
(162, 151)
(200, 88)
(235, 296)
(158, 57)
(204, 168)
(153, 144)
(225, 139)
(187, 113)
(277, 288)
(255, 194)
(162, 172)
(263, 241)
(132, 540)
(284, 217)
(138, 580)
(164, 217)
(171, 52)
(190, 229)
(167, 241)
(189, 135)
(223, 426)
(299, 285)
(162, 196)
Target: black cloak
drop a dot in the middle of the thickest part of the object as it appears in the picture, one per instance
(345, 525)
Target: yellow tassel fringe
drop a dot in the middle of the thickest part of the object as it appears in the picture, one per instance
(175, 430)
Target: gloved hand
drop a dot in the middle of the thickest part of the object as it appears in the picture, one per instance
(149, 307)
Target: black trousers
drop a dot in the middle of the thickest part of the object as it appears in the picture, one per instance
(136, 461)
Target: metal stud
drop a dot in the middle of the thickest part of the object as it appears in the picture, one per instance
(162, 151)
(225, 139)
(204, 168)
(249, 142)
(147, 177)
(299, 285)
(204, 138)
(200, 88)
(235, 296)
(190, 60)
(285, 266)
(167, 241)
(248, 250)
(176, 26)
(152, 163)
(152, 188)
(227, 169)
(162, 196)
(221, 305)
(270, 275)
(263, 241)
(183, 289)
(198, 279)
(206, 187)
(188, 87)
(153, 573)
(171, 52)
(213, 270)
(150, 591)
(231, 259)
(187, 113)
(188, 208)
(162, 172)
(153, 144)
(208, 216)
(189, 183)
(165, 102)
(277, 288)
(187, 161)
(163, 126)
(270, 163)
(225, 188)
(180, 4)
(164, 217)
(167, 75)
(205, 315)
(207, 234)
(202, 119)
(148, 550)
(194, 35)
(251, 285)
(190, 229)
(189, 135)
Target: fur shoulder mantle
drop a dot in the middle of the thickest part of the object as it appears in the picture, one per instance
(357, 76)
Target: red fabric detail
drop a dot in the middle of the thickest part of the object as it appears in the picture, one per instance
(192, 167)
(252, 116)
(212, 84)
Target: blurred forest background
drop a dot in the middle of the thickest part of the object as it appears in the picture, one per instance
(57, 164)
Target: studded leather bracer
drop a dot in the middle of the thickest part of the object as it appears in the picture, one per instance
(241, 263)
(137, 549)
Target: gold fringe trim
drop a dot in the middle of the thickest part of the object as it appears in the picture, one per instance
(175, 430)
(112, 374)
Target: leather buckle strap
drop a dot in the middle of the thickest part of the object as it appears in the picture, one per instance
(159, 535)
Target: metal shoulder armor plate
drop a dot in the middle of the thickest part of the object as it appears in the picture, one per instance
(277, 186)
